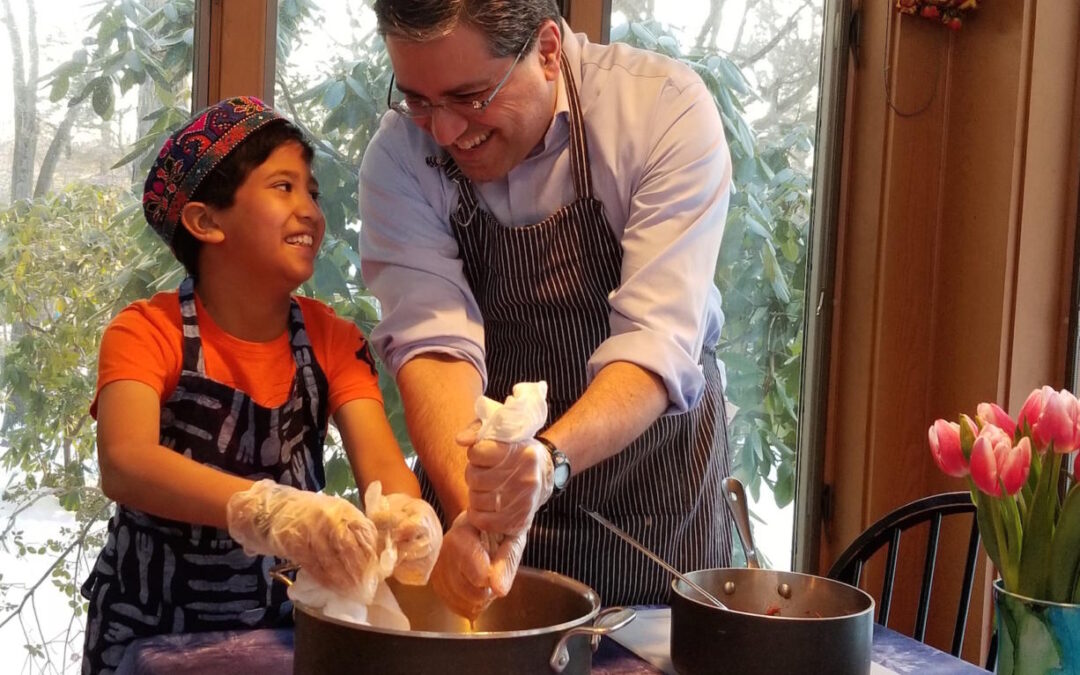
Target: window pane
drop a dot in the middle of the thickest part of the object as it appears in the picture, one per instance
(332, 78)
(88, 90)
(760, 60)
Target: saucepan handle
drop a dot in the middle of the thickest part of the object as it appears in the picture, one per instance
(607, 621)
(279, 571)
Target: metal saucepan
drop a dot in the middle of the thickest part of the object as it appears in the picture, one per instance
(774, 622)
(548, 623)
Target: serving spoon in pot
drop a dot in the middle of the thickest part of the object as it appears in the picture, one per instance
(735, 496)
(621, 534)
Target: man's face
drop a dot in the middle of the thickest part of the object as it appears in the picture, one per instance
(459, 67)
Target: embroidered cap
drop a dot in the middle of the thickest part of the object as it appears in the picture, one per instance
(191, 153)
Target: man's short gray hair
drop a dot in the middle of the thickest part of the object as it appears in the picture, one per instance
(508, 24)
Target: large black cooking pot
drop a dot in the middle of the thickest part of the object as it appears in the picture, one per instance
(775, 622)
(548, 623)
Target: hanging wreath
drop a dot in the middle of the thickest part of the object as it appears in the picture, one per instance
(948, 12)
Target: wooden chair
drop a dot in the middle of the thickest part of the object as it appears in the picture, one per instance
(886, 532)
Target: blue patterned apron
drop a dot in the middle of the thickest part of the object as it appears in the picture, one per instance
(543, 292)
(156, 575)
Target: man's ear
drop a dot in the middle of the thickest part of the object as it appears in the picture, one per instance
(198, 219)
(549, 48)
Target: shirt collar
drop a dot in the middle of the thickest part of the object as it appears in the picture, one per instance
(559, 128)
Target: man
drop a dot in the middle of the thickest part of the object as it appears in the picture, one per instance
(536, 207)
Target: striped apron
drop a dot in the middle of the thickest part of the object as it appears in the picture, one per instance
(543, 292)
(156, 575)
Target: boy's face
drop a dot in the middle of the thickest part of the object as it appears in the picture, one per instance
(274, 227)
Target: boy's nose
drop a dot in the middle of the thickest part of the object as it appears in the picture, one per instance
(308, 208)
(446, 125)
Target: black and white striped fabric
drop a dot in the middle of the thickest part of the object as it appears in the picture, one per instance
(159, 576)
(543, 292)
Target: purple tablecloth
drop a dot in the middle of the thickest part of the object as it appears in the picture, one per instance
(270, 652)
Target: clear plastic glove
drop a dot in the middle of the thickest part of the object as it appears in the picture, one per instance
(462, 575)
(327, 536)
(410, 527)
(508, 483)
(509, 474)
(504, 564)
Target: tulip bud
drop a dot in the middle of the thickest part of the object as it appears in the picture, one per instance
(991, 413)
(945, 448)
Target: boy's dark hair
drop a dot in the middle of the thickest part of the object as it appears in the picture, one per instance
(219, 187)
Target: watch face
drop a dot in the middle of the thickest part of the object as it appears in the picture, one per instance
(562, 474)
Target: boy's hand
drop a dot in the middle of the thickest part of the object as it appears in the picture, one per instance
(412, 527)
(327, 536)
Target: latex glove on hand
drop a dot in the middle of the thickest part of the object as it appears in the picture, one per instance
(505, 561)
(508, 483)
(327, 536)
(410, 528)
(510, 474)
(462, 575)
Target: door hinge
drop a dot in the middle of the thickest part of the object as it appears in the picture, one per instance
(826, 503)
(854, 34)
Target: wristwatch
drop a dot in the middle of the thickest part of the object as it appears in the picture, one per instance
(561, 464)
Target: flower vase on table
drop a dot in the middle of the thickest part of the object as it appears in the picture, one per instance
(1035, 636)
(1029, 528)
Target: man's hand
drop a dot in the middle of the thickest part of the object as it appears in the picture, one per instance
(507, 483)
(462, 575)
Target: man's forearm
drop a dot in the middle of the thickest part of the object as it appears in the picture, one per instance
(617, 407)
(439, 393)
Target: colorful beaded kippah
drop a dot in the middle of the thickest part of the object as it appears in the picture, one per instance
(190, 154)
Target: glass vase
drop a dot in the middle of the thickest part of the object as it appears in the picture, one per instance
(1035, 636)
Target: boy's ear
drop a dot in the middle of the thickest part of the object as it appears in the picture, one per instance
(198, 219)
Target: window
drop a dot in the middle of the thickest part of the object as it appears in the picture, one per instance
(761, 62)
(332, 75)
(89, 93)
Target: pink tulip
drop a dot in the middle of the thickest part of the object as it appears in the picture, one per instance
(991, 413)
(997, 466)
(1032, 409)
(1060, 422)
(1053, 417)
(945, 448)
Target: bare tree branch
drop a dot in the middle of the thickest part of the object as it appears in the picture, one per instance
(711, 27)
(56, 563)
(52, 155)
(775, 40)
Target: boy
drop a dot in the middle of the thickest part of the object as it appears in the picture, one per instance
(213, 402)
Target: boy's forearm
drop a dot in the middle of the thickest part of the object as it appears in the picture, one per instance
(164, 483)
(439, 393)
(372, 449)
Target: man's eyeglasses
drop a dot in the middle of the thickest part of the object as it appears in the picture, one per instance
(415, 106)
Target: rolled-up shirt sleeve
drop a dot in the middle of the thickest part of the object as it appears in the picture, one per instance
(666, 304)
(410, 256)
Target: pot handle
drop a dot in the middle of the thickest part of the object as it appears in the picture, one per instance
(607, 621)
(278, 572)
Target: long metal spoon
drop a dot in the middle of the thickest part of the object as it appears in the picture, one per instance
(652, 556)
(735, 497)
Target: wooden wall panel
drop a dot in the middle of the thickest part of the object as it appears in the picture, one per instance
(955, 248)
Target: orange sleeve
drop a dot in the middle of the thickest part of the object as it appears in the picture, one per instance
(343, 354)
(142, 343)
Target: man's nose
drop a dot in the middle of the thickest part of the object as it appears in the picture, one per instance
(446, 125)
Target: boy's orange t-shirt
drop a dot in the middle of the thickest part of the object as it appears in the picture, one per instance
(145, 343)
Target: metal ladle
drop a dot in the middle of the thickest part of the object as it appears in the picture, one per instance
(652, 556)
(735, 497)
